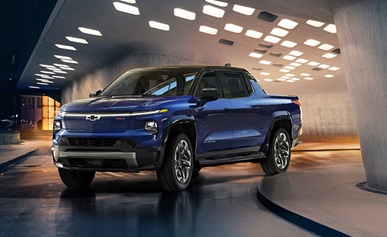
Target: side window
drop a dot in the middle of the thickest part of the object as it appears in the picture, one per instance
(235, 85)
(209, 80)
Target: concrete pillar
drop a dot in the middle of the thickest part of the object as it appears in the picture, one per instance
(362, 34)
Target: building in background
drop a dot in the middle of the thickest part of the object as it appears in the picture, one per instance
(38, 112)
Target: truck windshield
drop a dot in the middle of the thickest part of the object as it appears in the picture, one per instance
(151, 83)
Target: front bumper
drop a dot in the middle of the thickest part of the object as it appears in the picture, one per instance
(108, 160)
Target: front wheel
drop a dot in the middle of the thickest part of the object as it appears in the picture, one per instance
(278, 156)
(76, 179)
(176, 171)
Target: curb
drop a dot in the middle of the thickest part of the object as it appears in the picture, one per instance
(296, 219)
(6, 166)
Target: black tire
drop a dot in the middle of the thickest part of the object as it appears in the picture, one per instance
(176, 171)
(278, 156)
(76, 179)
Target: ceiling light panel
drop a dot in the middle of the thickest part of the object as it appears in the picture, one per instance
(301, 60)
(89, 31)
(255, 55)
(129, 1)
(233, 28)
(289, 67)
(253, 34)
(334, 68)
(59, 77)
(159, 26)
(312, 42)
(289, 57)
(69, 61)
(42, 83)
(67, 47)
(34, 87)
(288, 44)
(284, 70)
(213, 11)
(329, 76)
(324, 66)
(331, 28)
(122, 7)
(265, 62)
(326, 47)
(312, 63)
(315, 23)
(295, 64)
(265, 73)
(248, 11)
(329, 55)
(296, 53)
(287, 24)
(63, 57)
(208, 30)
(76, 40)
(47, 72)
(188, 15)
(279, 32)
(272, 39)
(305, 74)
(218, 3)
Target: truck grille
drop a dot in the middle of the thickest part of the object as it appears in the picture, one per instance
(93, 142)
(93, 163)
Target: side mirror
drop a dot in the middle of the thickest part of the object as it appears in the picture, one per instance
(94, 93)
(209, 94)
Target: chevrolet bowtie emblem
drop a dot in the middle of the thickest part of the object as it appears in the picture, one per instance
(93, 117)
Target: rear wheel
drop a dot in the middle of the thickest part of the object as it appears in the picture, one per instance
(176, 171)
(278, 156)
(76, 179)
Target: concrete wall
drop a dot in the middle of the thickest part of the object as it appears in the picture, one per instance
(326, 117)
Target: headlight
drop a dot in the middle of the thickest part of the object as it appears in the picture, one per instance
(57, 126)
(151, 126)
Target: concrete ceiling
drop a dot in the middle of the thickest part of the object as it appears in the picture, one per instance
(123, 34)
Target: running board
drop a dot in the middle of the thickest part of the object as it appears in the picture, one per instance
(236, 159)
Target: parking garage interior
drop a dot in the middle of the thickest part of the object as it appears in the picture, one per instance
(329, 53)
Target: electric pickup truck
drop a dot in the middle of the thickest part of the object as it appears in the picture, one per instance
(175, 120)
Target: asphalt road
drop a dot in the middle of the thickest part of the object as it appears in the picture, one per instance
(221, 201)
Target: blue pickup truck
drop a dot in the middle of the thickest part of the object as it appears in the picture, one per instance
(175, 120)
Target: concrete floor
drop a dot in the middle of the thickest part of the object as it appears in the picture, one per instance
(317, 196)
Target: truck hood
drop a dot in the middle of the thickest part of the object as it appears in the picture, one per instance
(117, 104)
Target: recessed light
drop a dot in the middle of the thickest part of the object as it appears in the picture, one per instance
(34, 87)
(295, 79)
(89, 31)
(305, 74)
(288, 24)
(253, 34)
(67, 47)
(268, 79)
(63, 57)
(279, 32)
(288, 44)
(46, 66)
(129, 1)
(295, 64)
(326, 47)
(233, 28)
(284, 70)
(289, 67)
(265, 62)
(68, 68)
(42, 83)
(331, 28)
(334, 68)
(265, 73)
(248, 11)
(315, 23)
(213, 11)
(312, 63)
(76, 40)
(184, 14)
(285, 77)
(291, 81)
(218, 3)
(43, 75)
(69, 61)
(329, 76)
(159, 26)
(122, 7)
(312, 42)
(59, 77)
(61, 72)
(44, 80)
(296, 53)
(61, 65)
(281, 79)
(329, 55)
(288, 57)
(301, 60)
(208, 30)
(255, 55)
(324, 66)
(47, 72)
(290, 75)
(308, 78)
(272, 39)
